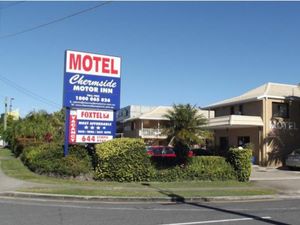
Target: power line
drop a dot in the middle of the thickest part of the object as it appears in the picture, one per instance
(11, 5)
(27, 92)
(54, 21)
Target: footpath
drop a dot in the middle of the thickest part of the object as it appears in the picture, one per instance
(11, 184)
(286, 183)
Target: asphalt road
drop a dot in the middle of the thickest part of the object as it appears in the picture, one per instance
(46, 212)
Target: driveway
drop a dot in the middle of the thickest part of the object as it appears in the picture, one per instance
(284, 181)
(12, 184)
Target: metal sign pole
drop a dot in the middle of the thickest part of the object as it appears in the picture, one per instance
(5, 114)
(67, 125)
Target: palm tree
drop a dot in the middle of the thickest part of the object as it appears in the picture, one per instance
(185, 128)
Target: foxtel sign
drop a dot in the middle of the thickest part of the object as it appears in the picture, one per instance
(92, 81)
(91, 126)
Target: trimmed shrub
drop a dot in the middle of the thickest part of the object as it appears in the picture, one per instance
(123, 159)
(199, 168)
(240, 159)
(176, 173)
(49, 159)
(210, 168)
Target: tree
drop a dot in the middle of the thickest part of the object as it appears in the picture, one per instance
(185, 128)
(37, 126)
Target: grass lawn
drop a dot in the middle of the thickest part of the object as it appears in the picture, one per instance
(13, 167)
(151, 193)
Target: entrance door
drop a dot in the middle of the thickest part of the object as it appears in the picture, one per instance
(224, 143)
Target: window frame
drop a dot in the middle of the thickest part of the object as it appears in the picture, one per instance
(277, 105)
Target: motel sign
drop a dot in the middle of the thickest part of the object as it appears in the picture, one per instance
(92, 81)
(91, 97)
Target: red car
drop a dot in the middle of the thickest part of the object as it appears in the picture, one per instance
(163, 151)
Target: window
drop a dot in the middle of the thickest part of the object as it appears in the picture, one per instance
(238, 110)
(132, 125)
(126, 112)
(280, 110)
(241, 110)
(232, 110)
(243, 140)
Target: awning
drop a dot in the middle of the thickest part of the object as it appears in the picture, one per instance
(234, 121)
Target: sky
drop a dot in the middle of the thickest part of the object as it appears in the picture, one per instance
(172, 52)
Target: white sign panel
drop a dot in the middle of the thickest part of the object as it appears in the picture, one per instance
(93, 64)
(91, 126)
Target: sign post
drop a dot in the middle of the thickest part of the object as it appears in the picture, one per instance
(66, 143)
(91, 97)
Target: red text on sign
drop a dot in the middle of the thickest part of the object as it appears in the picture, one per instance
(105, 65)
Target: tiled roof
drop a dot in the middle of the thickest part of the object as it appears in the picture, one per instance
(158, 114)
(270, 90)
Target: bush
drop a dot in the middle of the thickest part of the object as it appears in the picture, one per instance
(210, 168)
(199, 168)
(49, 159)
(169, 175)
(21, 144)
(240, 159)
(123, 159)
(163, 162)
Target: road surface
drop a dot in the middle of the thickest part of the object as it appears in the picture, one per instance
(46, 212)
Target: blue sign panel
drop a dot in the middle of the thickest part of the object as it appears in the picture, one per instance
(87, 91)
(92, 81)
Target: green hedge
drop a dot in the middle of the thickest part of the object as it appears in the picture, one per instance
(123, 159)
(240, 159)
(49, 159)
(199, 168)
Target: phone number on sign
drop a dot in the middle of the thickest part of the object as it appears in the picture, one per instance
(93, 138)
(92, 99)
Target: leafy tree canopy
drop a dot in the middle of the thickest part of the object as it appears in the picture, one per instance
(38, 125)
(186, 125)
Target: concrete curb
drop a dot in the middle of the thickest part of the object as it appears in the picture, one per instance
(176, 199)
(273, 179)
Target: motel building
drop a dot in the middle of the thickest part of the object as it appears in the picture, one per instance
(146, 122)
(268, 117)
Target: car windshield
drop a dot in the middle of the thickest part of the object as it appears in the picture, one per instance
(167, 151)
(162, 150)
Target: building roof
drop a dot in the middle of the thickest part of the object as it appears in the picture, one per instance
(268, 90)
(158, 113)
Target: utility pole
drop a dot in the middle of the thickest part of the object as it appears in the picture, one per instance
(10, 104)
(5, 113)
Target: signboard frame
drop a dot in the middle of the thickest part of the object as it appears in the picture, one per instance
(94, 92)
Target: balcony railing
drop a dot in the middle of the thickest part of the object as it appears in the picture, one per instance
(151, 133)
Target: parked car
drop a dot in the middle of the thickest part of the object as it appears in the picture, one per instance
(293, 159)
(163, 151)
